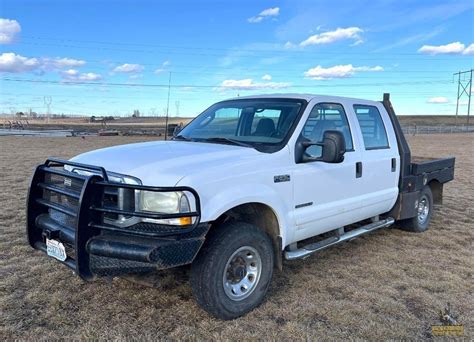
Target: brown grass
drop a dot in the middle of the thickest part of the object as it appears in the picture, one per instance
(128, 123)
(387, 285)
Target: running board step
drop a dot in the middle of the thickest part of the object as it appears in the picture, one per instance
(317, 246)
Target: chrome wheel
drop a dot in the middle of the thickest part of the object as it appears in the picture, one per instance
(242, 273)
(423, 209)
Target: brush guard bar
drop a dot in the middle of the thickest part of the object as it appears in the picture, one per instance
(70, 207)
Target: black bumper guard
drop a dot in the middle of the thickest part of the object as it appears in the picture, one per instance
(69, 207)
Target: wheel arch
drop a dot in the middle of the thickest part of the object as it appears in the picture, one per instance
(260, 215)
(436, 188)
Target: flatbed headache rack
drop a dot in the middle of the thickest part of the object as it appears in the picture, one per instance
(72, 208)
(416, 172)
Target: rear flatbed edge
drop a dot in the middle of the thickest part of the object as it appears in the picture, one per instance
(420, 166)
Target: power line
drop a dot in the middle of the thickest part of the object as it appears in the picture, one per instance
(192, 70)
(276, 87)
(404, 94)
(278, 48)
(252, 53)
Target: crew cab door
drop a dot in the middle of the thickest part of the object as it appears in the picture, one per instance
(381, 160)
(328, 196)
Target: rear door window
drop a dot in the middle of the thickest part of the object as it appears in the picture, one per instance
(372, 127)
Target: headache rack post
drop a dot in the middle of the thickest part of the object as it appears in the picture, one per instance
(403, 147)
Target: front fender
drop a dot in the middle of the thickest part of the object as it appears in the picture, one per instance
(215, 204)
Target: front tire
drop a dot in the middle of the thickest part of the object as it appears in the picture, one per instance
(421, 221)
(232, 272)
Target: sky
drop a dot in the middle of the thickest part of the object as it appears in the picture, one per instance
(113, 57)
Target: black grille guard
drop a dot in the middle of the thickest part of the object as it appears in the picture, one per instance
(86, 218)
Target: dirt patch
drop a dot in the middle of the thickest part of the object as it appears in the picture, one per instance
(387, 285)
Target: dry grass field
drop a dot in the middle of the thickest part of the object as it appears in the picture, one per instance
(387, 285)
(147, 124)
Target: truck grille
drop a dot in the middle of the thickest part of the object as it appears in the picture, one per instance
(110, 199)
(60, 182)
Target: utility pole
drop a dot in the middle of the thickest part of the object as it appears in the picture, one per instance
(47, 102)
(168, 108)
(464, 88)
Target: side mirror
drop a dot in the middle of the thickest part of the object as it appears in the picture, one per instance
(333, 148)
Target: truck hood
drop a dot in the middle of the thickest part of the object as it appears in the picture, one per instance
(164, 163)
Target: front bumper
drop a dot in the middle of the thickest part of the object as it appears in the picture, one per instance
(73, 209)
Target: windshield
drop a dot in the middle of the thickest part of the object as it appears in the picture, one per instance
(248, 122)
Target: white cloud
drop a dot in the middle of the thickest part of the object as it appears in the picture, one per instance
(267, 77)
(334, 36)
(61, 63)
(10, 62)
(357, 42)
(448, 49)
(266, 13)
(8, 30)
(469, 50)
(73, 75)
(129, 68)
(70, 72)
(90, 76)
(338, 71)
(254, 20)
(162, 68)
(269, 12)
(438, 100)
(366, 68)
(249, 84)
(13, 63)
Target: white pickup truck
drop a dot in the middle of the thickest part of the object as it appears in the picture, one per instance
(249, 182)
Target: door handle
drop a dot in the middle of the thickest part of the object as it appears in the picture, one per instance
(358, 169)
(394, 164)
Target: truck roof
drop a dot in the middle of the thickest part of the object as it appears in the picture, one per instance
(307, 97)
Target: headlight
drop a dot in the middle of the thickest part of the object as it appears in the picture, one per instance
(172, 202)
(166, 203)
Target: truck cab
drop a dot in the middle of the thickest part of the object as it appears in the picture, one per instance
(248, 183)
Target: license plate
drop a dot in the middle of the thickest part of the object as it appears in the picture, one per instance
(56, 249)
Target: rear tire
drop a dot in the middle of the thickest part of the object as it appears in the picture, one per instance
(421, 221)
(232, 272)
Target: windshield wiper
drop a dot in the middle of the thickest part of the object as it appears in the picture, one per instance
(229, 140)
(182, 137)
